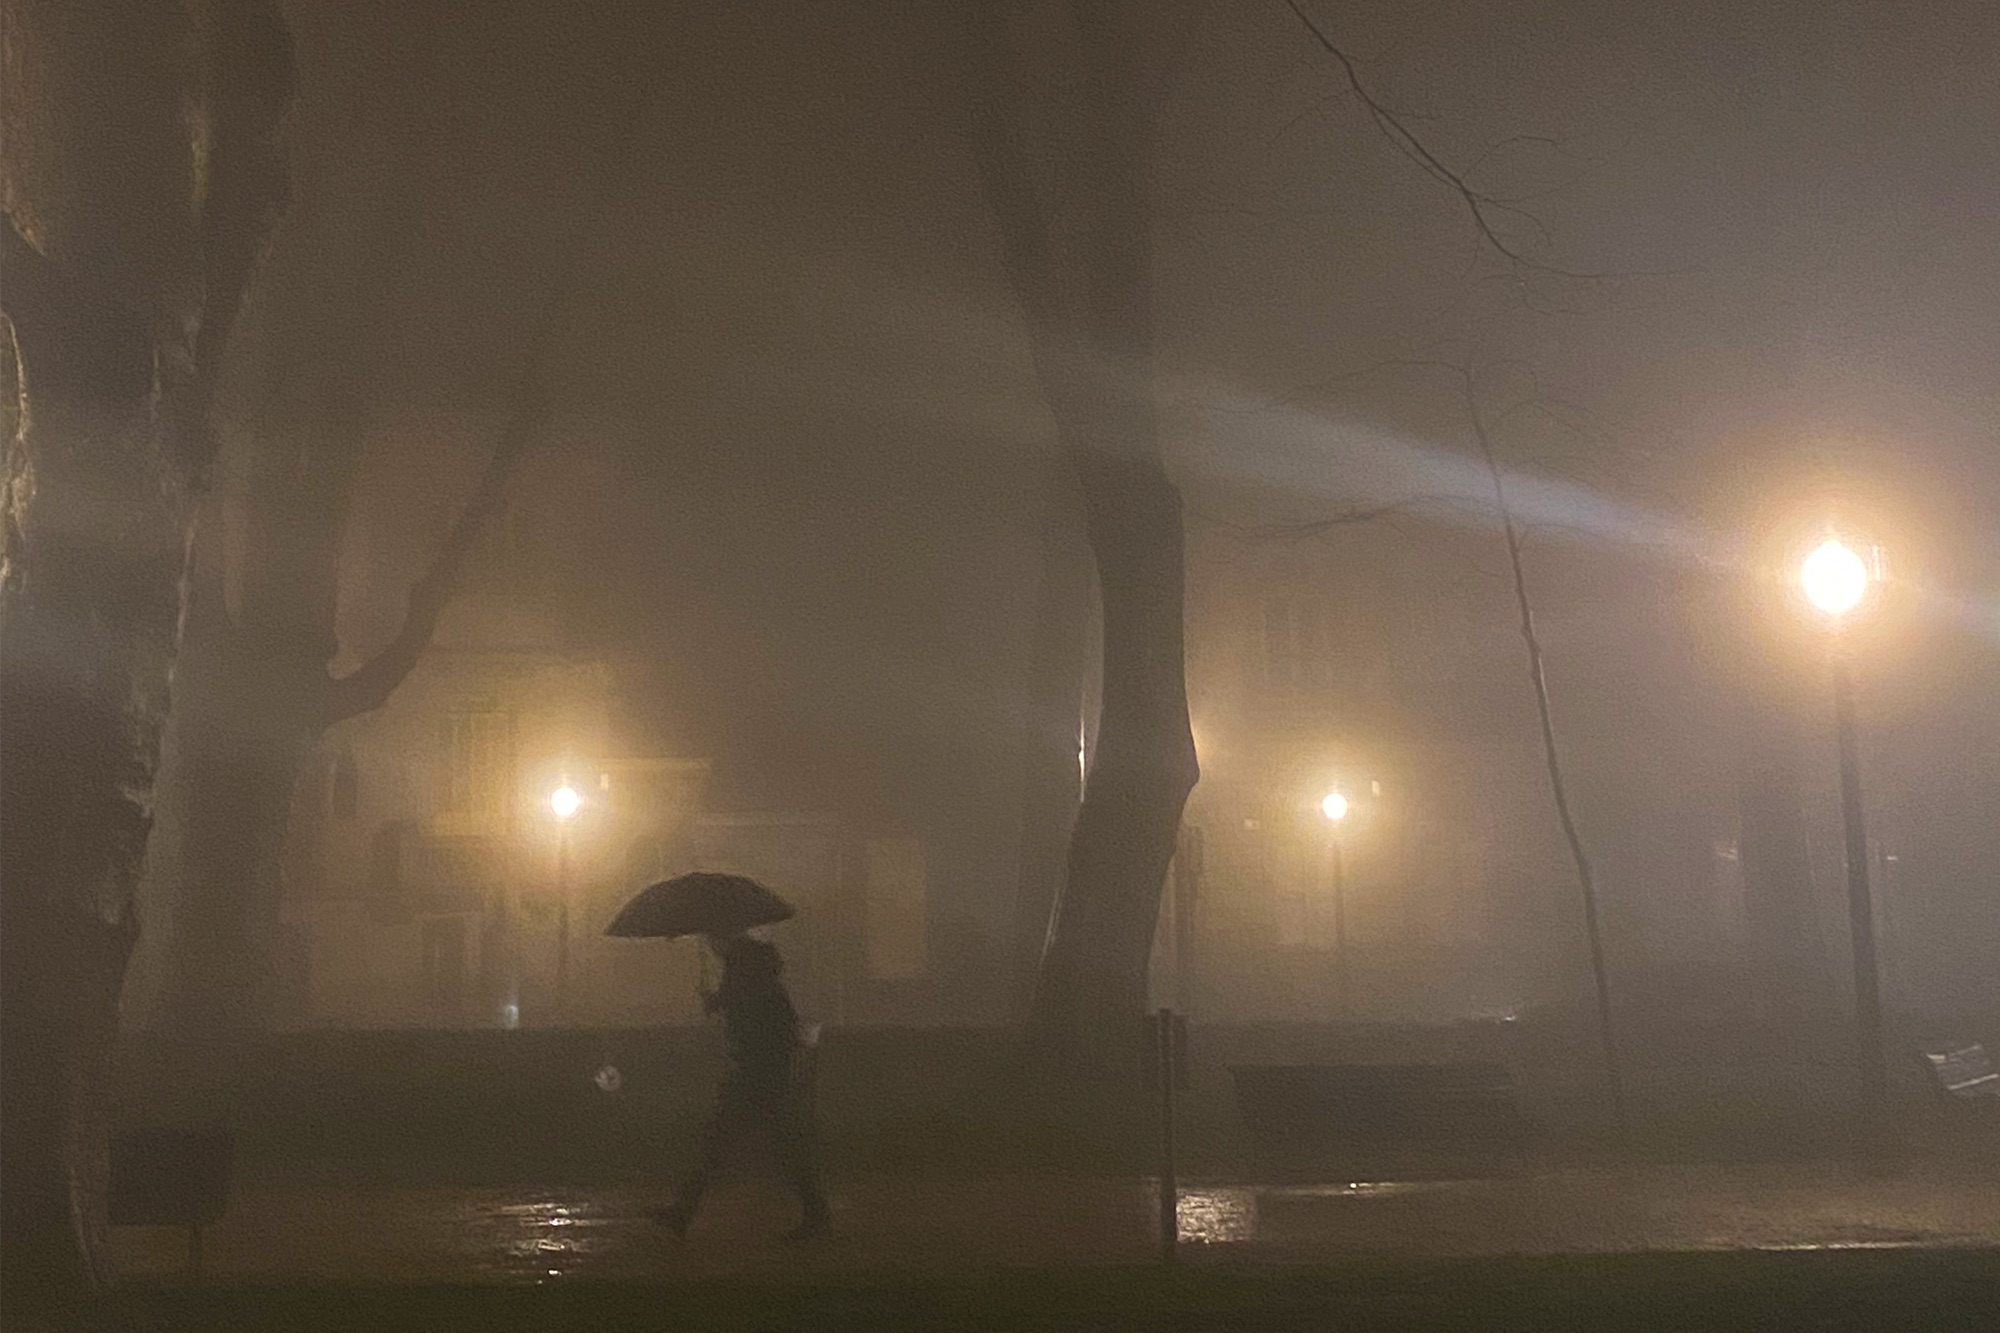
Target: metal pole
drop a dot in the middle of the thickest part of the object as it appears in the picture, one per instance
(1187, 882)
(1344, 991)
(1170, 1195)
(562, 921)
(1870, 1072)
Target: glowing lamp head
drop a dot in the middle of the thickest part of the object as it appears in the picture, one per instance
(1334, 807)
(565, 801)
(1834, 578)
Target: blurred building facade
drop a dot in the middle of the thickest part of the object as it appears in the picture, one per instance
(429, 882)
(1317, 665)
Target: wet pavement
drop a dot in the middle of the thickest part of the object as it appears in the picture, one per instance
(521, 1235)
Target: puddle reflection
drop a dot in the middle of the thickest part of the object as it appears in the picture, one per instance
(1218, 1216)
(557, 1236)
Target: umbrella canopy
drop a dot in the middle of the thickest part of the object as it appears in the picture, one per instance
(703, 903)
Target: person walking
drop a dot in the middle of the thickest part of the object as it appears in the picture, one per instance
(767, 1091)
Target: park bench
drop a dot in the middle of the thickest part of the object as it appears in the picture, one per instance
(1379, 1120)
(1965, 1077)
(174, 1177)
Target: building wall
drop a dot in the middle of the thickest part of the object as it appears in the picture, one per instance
(1313, 668)
(427, 873)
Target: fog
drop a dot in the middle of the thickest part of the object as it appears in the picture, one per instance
(800, 566)
(793, 484)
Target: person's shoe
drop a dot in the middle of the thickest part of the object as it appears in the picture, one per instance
(675, 1218)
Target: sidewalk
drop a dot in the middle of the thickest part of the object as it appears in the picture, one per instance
(439, 1234)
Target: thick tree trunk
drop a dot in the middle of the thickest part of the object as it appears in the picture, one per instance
(86, 652)
(1085, 287)
(141, 175)
(1092, 986)
(254, 701)
(246, 722)
(1052, 779)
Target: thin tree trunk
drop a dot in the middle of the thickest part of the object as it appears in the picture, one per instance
(1551, 754)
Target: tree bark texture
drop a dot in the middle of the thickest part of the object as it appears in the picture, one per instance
(141, 176)
(1052, 778)
(1075, 238)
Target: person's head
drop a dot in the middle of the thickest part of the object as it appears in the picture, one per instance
(747, 957)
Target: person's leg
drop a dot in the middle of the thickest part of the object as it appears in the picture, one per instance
(722, 1123)
(797, 1149)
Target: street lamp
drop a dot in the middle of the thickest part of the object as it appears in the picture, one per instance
(1835, 580)
(564, 802)
(1335, 807)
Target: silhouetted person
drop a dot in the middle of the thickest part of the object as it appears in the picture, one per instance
(760, 1094)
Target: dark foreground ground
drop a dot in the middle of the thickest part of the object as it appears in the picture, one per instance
(1845, 1289)
(482, 1181)
(489, 1107)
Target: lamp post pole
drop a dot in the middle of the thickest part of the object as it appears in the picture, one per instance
(562, 919)
(1343, 988)
(1870, 1071)
(1335, 807)
(564, 802)
(1836, 582)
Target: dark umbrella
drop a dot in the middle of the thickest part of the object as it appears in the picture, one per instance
(703, 903)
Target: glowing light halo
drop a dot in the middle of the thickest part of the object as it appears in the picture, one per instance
(1834, 578)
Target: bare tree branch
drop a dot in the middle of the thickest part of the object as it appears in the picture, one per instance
(1394, 127)
(1502, 145)
(1308, 528)
(369, 686)
(1551, 752)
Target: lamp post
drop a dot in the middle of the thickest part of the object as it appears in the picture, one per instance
(1835, 581)
(564, 802)
(1335, 807)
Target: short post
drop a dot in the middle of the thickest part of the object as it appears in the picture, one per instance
(1170, 1221)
